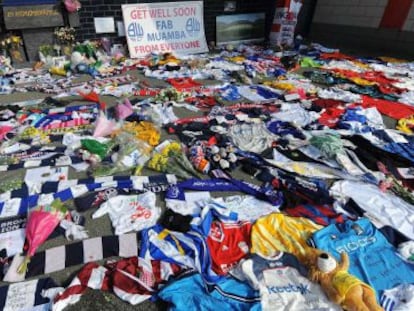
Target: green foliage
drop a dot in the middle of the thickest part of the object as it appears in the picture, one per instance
(47, 50)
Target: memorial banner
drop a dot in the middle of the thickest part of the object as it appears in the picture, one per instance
(176, 27)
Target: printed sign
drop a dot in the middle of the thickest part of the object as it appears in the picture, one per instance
(104, 24)
(12, 234)
(176, 27)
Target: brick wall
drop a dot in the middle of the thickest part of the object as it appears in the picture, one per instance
(212, 8)
(354, 26)
(305, 17)
(409, 22)
(363, 13)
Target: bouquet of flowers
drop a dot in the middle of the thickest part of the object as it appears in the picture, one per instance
(47, 50)
(170, 158)
(133, 154)
(393, 184)
(171, 94)
(94, 151)
(88, 49)
(65, 35)
(11, 45)
(143, 130)
(40, 224)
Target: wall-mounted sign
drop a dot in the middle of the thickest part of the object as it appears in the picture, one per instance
(32, 16)
(104, 24)
(176, 27)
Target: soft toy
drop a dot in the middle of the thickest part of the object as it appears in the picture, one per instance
(168, 58)
(76, 59)
(60, 71)
(5, 65)
(341, 287)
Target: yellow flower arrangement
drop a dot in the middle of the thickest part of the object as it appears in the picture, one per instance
(171, 159)
(11, 45)
(143, 130)
(171, 149)
(35, 134)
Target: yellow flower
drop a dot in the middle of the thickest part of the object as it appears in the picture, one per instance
(145, 131)
(237, 59)
(171, 149)
(16, 39)
(175, 147)
(30, 132)
(153, 162)
(163, 161)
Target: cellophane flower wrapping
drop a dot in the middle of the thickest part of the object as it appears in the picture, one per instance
(133, 154)
(41, 222)
(169, 157)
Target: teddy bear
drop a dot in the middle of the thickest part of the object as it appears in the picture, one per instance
(341, 287)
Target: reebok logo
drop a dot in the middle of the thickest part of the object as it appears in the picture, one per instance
(300, 288)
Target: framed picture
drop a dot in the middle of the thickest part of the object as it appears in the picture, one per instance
(59, 61)
(230, 6)
(240, 28)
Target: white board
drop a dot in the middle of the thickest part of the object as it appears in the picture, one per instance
(104, 24)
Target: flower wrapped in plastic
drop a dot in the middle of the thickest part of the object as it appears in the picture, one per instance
(65, 35)
(133, 154)
(144, 130)
(94, 151)
(104, 126)
(41, 222)
(170, 158)
(171, 94)
(393, 184)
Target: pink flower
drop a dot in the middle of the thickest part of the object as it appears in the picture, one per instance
(40, 224)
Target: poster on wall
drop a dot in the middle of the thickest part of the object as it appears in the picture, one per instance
(284, 22)
(240, 28)
(176, 27)
(104, 24)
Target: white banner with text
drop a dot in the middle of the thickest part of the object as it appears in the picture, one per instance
(176, 27)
